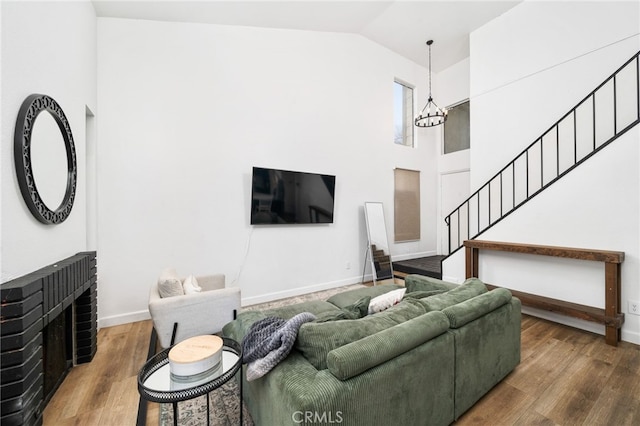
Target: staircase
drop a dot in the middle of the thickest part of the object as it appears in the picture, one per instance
(605, 114)
(382, 263)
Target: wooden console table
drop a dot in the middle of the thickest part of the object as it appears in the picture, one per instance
(610, 316)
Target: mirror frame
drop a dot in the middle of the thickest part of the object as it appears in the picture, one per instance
(32, 106)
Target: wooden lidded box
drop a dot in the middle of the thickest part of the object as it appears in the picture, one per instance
(195, 358)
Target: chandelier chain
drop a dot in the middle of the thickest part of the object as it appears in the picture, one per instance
(429, 71)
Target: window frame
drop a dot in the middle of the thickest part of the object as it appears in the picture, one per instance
(408, 116)
(450, 108)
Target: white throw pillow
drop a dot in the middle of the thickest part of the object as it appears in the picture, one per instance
(169, 284)
(190, 285)
(385, 301)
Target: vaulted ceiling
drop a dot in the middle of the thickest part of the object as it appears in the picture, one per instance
(402, 26)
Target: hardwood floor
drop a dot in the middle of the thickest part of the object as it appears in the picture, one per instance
(105, 391)
(566, 377)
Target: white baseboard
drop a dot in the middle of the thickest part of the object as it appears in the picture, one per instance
(123, 319)
(298, 291)
(627, 336)
(114, 320)
(452, 279)
(563, 319)
(630, 336)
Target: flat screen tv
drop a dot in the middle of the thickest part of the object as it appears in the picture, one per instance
(288, 197)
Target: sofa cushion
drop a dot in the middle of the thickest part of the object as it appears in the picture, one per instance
(315, 307)
(347, 298)
(357, 310)
(420, 294)
(467, 311)
(316, 340)
(468, 289)
(415, 282)
(356, 357)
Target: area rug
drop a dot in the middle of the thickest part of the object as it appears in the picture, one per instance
(223, 409)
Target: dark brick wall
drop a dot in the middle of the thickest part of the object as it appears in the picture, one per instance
(28, 304)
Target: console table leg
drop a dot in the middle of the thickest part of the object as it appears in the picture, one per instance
(241, 405)
(612, 300)
(175, 414)
(208, 413)
(471, 262)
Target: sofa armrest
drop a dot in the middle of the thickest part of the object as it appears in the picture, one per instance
(239, 327)
(467, 311)
(354, 358)
(199, 313)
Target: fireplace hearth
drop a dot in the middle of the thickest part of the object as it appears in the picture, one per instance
(48, 323)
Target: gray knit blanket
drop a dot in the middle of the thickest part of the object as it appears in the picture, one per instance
(269, 341)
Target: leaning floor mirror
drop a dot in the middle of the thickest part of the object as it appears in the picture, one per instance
(379, 254)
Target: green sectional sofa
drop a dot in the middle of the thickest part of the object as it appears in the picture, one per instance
(424, 361)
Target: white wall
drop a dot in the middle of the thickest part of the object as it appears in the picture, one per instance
(453, 168)
(186, 110)
(523, 79)
(533, 64)
(47, 48)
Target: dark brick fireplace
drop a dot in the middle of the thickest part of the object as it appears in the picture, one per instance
(48, 322)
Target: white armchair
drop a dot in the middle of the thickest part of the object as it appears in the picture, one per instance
(205, 312)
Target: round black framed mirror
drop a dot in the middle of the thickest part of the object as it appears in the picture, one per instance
(32, 106)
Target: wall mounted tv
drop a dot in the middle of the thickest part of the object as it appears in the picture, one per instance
(288, 197)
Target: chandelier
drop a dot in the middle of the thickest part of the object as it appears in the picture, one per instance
(431, 115)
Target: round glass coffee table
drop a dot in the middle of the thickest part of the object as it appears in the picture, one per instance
(156, 385)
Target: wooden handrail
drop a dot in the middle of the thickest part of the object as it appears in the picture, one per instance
(610, 316)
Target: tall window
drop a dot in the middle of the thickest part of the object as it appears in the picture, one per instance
(402, 114)
(456, 128)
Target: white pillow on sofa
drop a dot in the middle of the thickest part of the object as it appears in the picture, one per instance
(169, 284)
(385, 301)
(190, 285)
